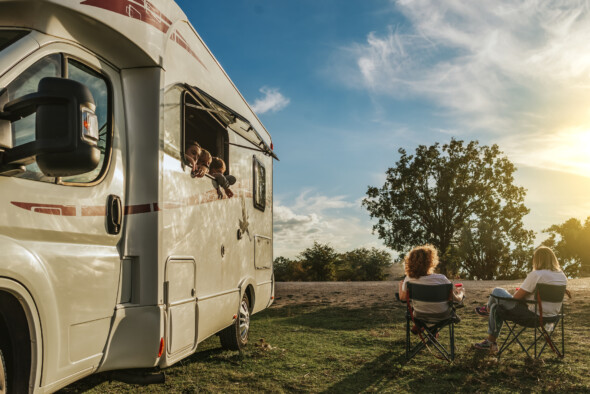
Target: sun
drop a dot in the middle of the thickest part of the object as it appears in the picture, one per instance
(572, 150)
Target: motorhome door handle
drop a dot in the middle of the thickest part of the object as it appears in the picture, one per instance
(114, 214)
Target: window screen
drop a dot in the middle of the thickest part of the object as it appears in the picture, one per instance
(259, 185)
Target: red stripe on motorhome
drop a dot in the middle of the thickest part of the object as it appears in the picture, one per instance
(49, 209)
(136, 9)
(147, 13)
(179, 39)
(96, 210)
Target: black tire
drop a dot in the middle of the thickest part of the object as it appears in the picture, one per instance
(235, 337)
(3, 376)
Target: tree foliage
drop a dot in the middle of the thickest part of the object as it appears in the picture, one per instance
(460, 197)
(288, 270)
(571, 243)
(366, 264)
(488, 250)
(321, 263)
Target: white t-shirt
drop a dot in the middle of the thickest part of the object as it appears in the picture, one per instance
(545, 277)
(421, 307)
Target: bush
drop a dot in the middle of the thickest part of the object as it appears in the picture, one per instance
(321, 263)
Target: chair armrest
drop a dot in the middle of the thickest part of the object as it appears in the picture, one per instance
(514, 299)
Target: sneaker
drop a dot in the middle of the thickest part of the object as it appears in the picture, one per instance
(487, 345)
(482, 310)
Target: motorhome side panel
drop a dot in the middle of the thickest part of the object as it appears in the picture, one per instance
(216, 233)
(195, 224)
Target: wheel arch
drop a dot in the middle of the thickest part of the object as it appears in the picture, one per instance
(17, 296)
(24, 276)
(247, 287)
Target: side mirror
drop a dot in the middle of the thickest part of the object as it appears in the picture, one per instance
(66, 128)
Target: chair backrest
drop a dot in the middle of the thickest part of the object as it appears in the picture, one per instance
(551, 293)
(429, 293)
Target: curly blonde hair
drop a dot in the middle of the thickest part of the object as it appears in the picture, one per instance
(421, 261)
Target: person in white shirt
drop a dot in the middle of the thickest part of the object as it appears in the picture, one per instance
(419, 266)
(546, 270)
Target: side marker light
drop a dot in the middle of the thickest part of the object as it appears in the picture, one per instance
(161, 350)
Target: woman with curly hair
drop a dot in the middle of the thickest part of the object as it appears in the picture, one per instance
(420, 264)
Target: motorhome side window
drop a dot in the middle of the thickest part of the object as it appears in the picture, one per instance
(259, 185)
(23, 130)
(202, 127)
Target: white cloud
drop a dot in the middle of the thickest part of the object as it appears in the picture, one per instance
(272, 101)
(504, 68)
(315, 217)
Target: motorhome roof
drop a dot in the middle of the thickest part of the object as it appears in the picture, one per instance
(109, 26)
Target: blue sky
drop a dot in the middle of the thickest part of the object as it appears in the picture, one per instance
(342, 84)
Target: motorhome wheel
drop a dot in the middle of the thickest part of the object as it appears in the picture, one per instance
(235, 337)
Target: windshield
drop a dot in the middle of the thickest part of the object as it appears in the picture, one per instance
(8, 37)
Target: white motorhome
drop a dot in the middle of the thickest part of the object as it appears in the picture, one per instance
(111, 255)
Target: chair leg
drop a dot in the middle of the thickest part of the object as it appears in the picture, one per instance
(452, 334)
(549, 341)
(562, 335)
(431, 336)
(407, 338)
(535, 334)
(544, 345)
(506, 344)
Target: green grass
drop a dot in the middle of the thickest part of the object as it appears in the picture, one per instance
(339, 350)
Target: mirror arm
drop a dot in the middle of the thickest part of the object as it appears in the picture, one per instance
(22, 155)
(27, 105)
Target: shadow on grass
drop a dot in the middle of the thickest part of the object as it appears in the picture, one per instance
(372, 374)
(87, 383)
(422, 374)
(336, 318)
(210, 356)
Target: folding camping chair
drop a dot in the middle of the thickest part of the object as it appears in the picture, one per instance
(543, 326)
(429, 325)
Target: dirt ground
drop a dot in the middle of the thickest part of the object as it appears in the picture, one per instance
(360, 294)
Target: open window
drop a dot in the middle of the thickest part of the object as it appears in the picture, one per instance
(203, 126)
(259, 183)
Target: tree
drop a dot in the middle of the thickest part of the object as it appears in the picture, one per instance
(484, 250)
(433, 195)
(287, 270)
(365, 264)
(319, 262)
(570, 241)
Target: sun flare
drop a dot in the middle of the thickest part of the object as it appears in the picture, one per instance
(569, 150)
